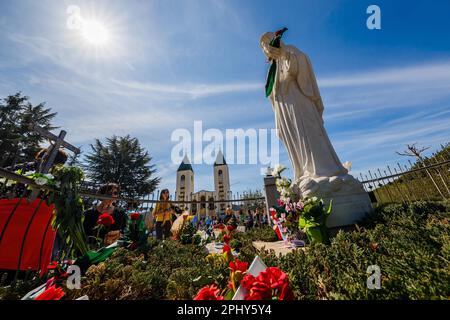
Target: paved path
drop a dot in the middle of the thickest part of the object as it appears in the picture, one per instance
(279, 247)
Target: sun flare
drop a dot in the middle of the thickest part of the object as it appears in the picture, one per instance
(95, 33)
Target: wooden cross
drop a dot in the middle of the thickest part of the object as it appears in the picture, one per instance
(54, 148)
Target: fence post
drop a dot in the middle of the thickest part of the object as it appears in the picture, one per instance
(422, 162)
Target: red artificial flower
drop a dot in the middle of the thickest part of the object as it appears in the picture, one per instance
(273, 214)
(270, 283)
(247, 281)
(226, 239)
(219, 226)
(274, 277)
(105, 219)
(208, 293)
(135, 216)
(238, 266)
(231, 228)
(259, 291)
(226, 248)
(53, 265)
(286, 293)
(52, 293)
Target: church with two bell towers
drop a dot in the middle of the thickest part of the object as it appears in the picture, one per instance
(203, 200)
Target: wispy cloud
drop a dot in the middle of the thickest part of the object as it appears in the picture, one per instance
(368, 147)
(436, 73)
(188, 90)
(121, 98)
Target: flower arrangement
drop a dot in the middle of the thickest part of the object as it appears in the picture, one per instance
(314, 218)
(273, 281)
(40, 179)
(284, 185)
(270, 284)
(68, 218)
(68, 204)
(294, 213)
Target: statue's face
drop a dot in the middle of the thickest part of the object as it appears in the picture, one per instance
(265, 40)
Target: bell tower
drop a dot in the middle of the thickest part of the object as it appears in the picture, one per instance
(185, 182)
(221, 181)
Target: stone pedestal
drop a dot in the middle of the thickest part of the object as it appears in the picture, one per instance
(350, 201)
(271, 193)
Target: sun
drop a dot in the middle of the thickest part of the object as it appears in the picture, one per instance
(95, 33)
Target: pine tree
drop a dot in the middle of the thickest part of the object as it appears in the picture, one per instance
(17, 142)
(121, 160)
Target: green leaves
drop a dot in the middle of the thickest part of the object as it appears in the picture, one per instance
(68, 218)
(313, 220)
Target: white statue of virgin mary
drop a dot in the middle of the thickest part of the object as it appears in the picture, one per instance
(298, 109)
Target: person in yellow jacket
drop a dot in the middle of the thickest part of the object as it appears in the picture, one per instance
(162, 214)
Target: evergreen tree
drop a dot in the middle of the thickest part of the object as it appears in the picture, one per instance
(17, 142)
(121, 160)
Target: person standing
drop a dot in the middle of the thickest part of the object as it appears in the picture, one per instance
(249, 222)
(257, 218)
(228, 215)
(163, 216)
(241, 217)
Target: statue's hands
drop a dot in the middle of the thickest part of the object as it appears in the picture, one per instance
(274, 53)
(271, 53)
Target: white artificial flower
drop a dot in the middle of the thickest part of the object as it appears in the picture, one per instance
(10, 183)
(314, 199)
(40, 181)
(277, 170)
(58, 184)
(29, 173)
(347, 165)
(49, 176)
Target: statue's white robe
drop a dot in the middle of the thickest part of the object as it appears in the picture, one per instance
(298, 111)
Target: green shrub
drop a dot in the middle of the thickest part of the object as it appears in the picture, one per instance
(20, 288)
(146, 273)
(410, 243)
(265, 233)
(412, 249)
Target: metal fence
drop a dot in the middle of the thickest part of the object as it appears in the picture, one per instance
(424, 180)
(19, 189)
(211, 201)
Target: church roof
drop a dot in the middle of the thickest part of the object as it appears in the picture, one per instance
(220, 159)
(185, 164)
(203, 191)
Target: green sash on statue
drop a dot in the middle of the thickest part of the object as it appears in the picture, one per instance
(275, 42)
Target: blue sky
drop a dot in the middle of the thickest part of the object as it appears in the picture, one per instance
(169, 63)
